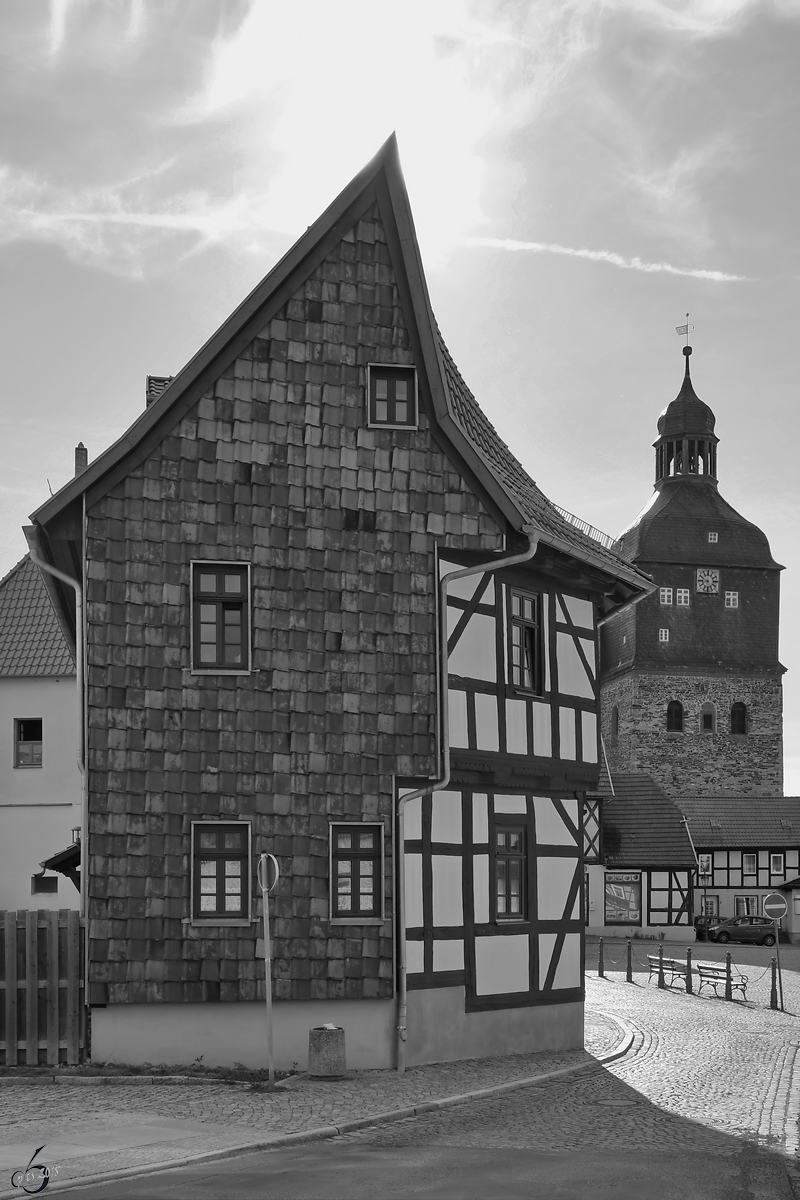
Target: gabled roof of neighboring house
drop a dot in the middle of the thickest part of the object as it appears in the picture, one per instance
(456, 416)
(749, 822)
(31, 640)
(642, 826)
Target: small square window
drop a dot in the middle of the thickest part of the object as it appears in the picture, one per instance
(220, 617)
(665, 595)
(731, 599)
(392, 396)
(682, 597)
(663, 635)
(713, 537)
(221, 870)
(776, 864)
(28, 742)
(356, 872)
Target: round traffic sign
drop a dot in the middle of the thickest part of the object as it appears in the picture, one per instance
(775, 906)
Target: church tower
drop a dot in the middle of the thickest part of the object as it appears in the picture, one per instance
(691, 682)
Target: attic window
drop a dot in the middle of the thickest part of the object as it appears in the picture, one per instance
(715, 824)
(392, 393)
(713, 537)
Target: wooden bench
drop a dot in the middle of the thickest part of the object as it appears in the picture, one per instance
(673, 969)
(715, 976)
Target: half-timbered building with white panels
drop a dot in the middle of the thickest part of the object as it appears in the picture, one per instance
(317, 582)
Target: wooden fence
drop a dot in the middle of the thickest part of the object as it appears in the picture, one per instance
(42, 1019)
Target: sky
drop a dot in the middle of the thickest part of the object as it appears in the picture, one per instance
(582, 174)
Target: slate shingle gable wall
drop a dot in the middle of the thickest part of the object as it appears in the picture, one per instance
(342, 693)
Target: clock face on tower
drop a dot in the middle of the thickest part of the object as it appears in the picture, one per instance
(707, 580)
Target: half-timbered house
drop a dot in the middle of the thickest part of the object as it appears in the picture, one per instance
(330, 616)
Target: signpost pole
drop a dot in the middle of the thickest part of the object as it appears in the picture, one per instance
(266, 888)
(775, 907)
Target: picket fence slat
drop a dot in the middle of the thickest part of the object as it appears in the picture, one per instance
(41, 991)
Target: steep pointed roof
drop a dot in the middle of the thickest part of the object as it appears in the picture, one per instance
(31, 641)
(456, 415)
(687, 415)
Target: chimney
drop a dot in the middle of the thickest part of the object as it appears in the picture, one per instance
(156, 384)
(81, 458)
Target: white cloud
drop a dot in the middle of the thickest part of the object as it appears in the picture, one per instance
(607, 256)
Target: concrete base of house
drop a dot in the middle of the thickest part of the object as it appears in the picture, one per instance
(646, 933)
(224, 1034)
(440, 1031)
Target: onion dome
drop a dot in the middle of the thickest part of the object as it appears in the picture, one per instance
(687, 415)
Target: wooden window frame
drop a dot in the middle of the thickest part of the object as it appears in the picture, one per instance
(532, 636)
(391, 372)
(221, 855)
(220, 598)
(754, 873)
(683, 597)
(777, 855)
(509, 823)
(731, 600)
(32, 743)
(336, 855)
(665, 595)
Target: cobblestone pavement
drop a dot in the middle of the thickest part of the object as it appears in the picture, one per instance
(125, 1126)
(704, 1077)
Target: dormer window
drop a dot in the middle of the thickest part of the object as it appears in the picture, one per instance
(392, 393)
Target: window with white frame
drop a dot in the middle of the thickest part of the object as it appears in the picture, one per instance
(682, 597)
(663, 635)
(665, 595)
(713, 537)
(220, 617)
(356, 871)
(220, 870)
(776, 866)
(745, 906)
(28, 742)
(731, 599)
(749, 864)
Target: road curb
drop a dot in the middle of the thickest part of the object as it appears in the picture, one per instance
(322, 1133)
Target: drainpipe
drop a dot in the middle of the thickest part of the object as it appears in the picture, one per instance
(438, 784)
(81, 756)
(624, 607)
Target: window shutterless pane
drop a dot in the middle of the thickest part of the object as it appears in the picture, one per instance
(233, 583)
(401, 412)
(207, 583)
(381, 389)
(382, 411)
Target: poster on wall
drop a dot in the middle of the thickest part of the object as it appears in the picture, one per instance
(623, 898)
(704, 864)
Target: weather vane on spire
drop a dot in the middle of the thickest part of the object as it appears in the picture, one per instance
(684, 329)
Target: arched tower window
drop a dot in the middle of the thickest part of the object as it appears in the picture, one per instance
(674, 717)
(739, 717)
(708, 719)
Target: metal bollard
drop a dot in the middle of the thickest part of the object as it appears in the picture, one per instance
(601, 968)
(661, 982)
(629, 964)
(728, 988)
(688, 970)
(773, 995)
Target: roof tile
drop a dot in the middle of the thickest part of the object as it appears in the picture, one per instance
(31, 641)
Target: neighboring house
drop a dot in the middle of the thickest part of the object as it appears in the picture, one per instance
(745, 848)
(266, 673)
(40, 787)
(639, 862)
(691, 682)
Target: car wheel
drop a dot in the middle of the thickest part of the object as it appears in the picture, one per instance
(723, 937)
(769, 940)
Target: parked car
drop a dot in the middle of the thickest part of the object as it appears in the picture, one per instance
(702, 926)
(744, 929)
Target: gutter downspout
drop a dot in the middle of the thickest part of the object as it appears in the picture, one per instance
(81, 755)
(435, 785)
(624, 607)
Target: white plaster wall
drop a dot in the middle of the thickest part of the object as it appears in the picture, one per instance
(39, 806)
(225, 1034)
